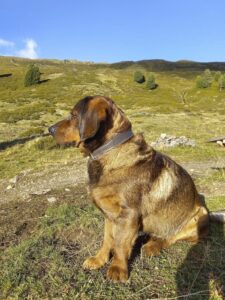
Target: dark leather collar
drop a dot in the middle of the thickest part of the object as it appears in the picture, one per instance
(120, 138)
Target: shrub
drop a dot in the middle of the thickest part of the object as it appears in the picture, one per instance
(202, 82)
(208, 76)
(222, 82)
(151, 82)
(139, 77)
(205, 80)
(217, 75)
(32, 76)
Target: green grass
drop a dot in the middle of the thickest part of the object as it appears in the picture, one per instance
(45, 245)
(49, 263)
(34, 154)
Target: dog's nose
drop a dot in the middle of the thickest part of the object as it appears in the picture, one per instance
(52, 130)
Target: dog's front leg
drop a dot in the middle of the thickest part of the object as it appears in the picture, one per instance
(102, 257)
(125, 231)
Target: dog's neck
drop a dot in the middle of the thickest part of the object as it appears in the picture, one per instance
(118, 139)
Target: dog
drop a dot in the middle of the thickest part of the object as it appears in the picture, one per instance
(134, 186)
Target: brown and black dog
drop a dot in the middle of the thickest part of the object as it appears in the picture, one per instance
(135, 187)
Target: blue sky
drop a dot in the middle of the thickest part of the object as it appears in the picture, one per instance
(113, 30)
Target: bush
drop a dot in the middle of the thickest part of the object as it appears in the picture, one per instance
(205, 80)
(139, 77)
(208, 76)
(151, 82)
(202, 82)
(217, 75)
(32, 76)
(222, 82)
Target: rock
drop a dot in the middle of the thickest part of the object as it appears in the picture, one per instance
(220, 143)
(51, 199)
(172, 141)
(14, 179)
(9, 187)
(163, 135)
(41, 192)
(67, 190)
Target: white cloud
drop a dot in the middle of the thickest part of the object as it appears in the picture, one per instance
(29, 50)
(5, 43)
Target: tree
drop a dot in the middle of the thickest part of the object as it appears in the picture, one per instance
(202, 82)
(151, 82)
(208, 76)
(32, 76)
(222, 82)
(217, 76)
(139, 77)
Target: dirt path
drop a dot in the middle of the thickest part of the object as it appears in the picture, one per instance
(201, 170)
(28, 183)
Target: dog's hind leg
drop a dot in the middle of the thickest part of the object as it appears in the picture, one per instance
(193, 231)
(196, 229)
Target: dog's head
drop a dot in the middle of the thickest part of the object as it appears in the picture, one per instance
(92, 122)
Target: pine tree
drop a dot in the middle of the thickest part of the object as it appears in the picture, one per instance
(151, 82)
(32, 76)
(139, 77)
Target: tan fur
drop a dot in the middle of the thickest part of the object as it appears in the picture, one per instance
(163, 186)
(134, 186)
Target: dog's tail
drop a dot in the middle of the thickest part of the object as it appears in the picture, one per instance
(217, 216)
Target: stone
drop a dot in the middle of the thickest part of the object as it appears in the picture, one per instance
(163, 135)
(14, 179)
(172, 141)
(51, 199)
(41, 192)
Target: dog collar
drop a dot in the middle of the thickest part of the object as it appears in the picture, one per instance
(120, 138)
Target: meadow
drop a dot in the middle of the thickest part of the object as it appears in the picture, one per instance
(43, 244)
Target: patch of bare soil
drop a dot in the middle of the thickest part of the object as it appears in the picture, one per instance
(201, 170)
(28, 184)
(25, 198)
(54, 75)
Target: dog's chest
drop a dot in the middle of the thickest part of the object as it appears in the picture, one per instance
(104, 189)
(106, 200)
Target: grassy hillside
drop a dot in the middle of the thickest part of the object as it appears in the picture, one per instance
(28, 111)
(44, 244)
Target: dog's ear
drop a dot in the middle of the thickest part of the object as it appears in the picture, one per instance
(91, 119)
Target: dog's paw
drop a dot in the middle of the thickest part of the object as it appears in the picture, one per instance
(93, 263)
(117, 274)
